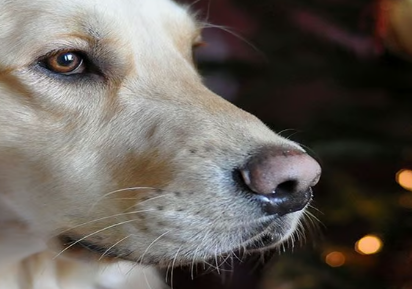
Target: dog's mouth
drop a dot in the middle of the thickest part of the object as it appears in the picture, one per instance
(266, 235)
(81, 248)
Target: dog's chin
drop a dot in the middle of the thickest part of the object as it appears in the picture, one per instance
(81, 250)
(267, 235)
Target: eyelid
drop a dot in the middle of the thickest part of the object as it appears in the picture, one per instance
(58, 51)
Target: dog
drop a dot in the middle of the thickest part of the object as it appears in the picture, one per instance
(115, 158)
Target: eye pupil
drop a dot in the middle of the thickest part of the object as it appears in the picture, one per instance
(66, 59)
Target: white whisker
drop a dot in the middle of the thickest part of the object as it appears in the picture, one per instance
(151, 244)
(316, 209)
(94, 233)
(147, 280)
(148, 200)
(217, 263)
(226, 29)
(193, 262)
(103, 218)
(189, 6)
(167, 272)
(118, 191)
(114, 245)
(173, 266)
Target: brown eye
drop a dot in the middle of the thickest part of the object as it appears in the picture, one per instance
(66, 63)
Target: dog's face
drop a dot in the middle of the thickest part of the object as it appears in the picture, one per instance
(109, 139)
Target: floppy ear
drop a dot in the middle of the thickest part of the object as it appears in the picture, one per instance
(394, 25)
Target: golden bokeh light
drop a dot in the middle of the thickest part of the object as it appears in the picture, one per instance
(369, 245)
(404, 178)
(335, 259)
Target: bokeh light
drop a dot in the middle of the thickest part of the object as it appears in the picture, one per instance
(369, 245)
(404, 178)
(335, 259)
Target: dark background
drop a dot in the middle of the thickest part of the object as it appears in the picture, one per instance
(315, 71)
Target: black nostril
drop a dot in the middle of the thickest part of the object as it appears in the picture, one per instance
(287, 187)
(281, 179)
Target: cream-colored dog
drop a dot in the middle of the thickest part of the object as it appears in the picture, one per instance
(114, 155)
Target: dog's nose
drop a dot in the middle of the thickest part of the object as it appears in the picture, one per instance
(282, 179)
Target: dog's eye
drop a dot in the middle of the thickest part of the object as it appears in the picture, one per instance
(65, 62)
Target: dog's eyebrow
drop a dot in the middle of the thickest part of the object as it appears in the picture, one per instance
(88, 35)
(89, 38)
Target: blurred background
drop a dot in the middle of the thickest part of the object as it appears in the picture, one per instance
(335, 76)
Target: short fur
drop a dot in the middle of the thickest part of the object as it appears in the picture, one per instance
(132, 163)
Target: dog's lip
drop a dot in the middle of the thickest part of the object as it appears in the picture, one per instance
(71, 243)
(84, 248)
(265, 237)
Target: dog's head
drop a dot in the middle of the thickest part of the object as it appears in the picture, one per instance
(109, 139)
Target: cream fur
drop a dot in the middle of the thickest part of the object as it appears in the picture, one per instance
(136, 159)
